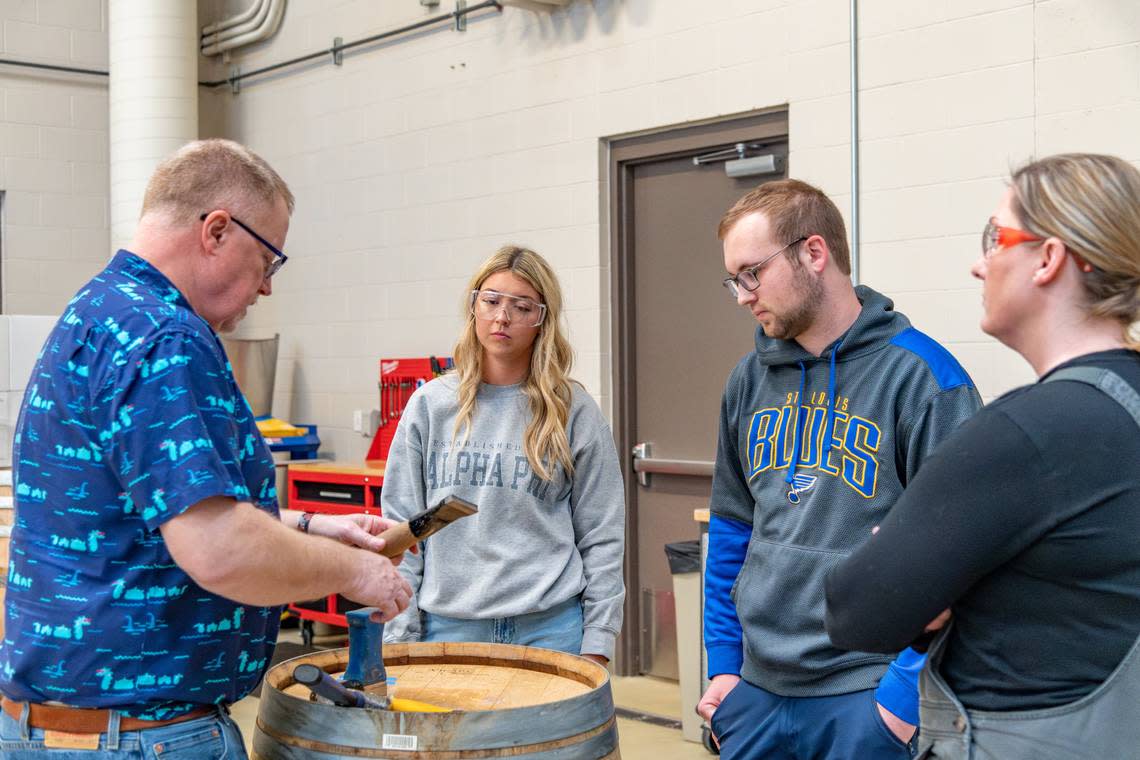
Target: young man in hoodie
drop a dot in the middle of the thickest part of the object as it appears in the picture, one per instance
(821, 427)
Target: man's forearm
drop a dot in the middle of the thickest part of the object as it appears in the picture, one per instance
(237, 551)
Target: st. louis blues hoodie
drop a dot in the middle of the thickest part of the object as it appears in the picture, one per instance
(813, 452)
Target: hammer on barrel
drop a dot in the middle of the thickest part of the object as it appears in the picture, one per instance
(365, 669)
(399, 538)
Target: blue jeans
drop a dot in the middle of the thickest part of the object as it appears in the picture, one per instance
(754, 724)
(559, 627)
(214, 737)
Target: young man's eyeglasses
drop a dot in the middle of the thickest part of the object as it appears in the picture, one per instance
(489, 304)
(749, 278)
(279, 258)
(994, 236)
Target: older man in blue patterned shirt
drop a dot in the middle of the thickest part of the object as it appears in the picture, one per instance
(149, 557)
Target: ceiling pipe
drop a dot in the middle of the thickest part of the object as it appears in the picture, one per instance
(253, 25)
(240, 18)
(331, 53)
(247, 34)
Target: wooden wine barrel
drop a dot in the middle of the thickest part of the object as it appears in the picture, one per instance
(507, 701)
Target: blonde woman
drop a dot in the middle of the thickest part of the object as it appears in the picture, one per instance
(1024, 523)
(541, 563)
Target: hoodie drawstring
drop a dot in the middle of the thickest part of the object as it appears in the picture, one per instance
(790, 478)
(830, 426)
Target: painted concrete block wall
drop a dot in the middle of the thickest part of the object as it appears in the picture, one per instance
(417, 158)
(53, 152)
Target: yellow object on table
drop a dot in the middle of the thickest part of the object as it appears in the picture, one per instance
(271, 427)
(414, 705)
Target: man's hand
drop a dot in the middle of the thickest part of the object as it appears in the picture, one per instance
(718, 689)
(902, 730)
(380, 585)
(600, 659)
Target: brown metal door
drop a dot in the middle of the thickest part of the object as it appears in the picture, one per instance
(681, 336)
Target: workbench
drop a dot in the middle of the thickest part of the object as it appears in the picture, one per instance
(336, 488)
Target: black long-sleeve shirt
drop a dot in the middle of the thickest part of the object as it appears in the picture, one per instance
(1026, 522)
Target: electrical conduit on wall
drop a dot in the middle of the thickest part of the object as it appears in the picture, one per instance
(263, 25)
(855, 141)
(153, 98)
(233, 21)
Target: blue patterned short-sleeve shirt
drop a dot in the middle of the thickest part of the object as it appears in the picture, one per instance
(131, 416)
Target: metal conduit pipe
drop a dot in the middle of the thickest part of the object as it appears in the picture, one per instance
(51, 67)
(240, 18)
(333, 51)
(256, 29)
(854, 142)
(275, 10)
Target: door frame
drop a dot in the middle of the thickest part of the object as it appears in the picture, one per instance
(621, 155)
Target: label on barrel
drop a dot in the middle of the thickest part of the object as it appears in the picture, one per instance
(399, 741)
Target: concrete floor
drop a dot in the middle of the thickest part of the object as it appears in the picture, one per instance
(638, 740)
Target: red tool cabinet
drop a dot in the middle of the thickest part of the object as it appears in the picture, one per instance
(337, 488)
(348, 487)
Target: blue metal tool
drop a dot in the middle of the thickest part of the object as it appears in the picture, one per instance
(365, 652)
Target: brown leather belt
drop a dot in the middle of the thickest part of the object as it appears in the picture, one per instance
(82, 720)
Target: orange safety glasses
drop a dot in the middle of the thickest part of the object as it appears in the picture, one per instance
(995, 236)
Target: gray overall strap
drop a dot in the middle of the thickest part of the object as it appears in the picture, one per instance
(1104, 380)
(1103, 724)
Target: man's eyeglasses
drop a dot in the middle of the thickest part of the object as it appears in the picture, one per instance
(489, 304)
(994, 236)
(279, 258)
(749, 278)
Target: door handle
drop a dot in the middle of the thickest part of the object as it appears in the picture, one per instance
(644, 464)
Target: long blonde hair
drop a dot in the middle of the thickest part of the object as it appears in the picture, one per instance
(1091, 203)
(547, 385)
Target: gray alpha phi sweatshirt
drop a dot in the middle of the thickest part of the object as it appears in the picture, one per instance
(533, 544)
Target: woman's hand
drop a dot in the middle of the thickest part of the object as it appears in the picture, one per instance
(355, 530)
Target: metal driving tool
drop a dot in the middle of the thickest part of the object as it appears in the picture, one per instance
(365, 653)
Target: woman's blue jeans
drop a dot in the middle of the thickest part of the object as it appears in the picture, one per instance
(558, 628)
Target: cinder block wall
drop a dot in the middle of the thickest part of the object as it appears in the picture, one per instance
(418, 157)
(53, 153)
(415, 160)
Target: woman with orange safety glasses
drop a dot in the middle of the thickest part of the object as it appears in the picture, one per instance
(1018, 540)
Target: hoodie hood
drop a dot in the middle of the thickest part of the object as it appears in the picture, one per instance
(872, 330)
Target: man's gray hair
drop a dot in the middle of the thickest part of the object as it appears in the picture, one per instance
(205, 175)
